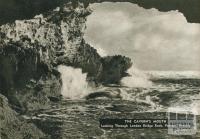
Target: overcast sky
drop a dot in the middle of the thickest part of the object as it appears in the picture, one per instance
(153, 40)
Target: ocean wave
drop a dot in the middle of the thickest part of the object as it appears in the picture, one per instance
(173, 74)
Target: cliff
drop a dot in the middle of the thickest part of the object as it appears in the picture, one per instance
(31, 50)
(12, 127)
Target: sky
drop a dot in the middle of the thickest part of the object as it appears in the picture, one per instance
(153, 40)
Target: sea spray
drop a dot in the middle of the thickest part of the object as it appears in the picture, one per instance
(101, 52)
(137, 78)
(74, 84)
(195, 106)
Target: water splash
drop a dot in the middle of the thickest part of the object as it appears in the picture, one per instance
(196, 107)
(74, 84)
(137, 78)
(173, 74)
(101, 52)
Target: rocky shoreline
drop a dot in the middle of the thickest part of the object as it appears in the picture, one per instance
(30, 52)
(32, 49)
(12, 126)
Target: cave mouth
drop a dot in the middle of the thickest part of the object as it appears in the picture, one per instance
(154, 40)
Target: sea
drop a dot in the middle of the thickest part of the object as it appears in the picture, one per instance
(143, 95)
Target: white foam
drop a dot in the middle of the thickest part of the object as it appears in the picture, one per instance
(137, 78)
(196, 107)
(174, 74)
(74, 84)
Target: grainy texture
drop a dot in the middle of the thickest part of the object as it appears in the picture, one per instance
(32, 49)
(26, 9)
(11, 127)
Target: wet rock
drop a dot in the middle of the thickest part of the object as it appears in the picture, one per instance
(54, 99)
(26, 74)
(100, 94)
(13, 127)
(30, 52)
(114, 68)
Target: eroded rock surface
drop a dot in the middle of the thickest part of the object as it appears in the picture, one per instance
(114, 68)
(12, 127)
(30, 52)
(32, 49)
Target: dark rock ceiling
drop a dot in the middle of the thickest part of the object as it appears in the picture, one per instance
(10, 10)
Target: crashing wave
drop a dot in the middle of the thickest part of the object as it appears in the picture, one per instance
(137, 78)
(173, 74)
(74, 84)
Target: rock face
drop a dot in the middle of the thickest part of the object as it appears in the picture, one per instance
(11, 127)
(26, 74)
(114, 68)
(31, 50)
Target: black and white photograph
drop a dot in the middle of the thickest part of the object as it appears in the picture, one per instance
(99, 69)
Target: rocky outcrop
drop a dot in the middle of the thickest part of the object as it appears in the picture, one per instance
(84, 57)
(13, 127)
(31, 50)
(26, 73)
(114, 68)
